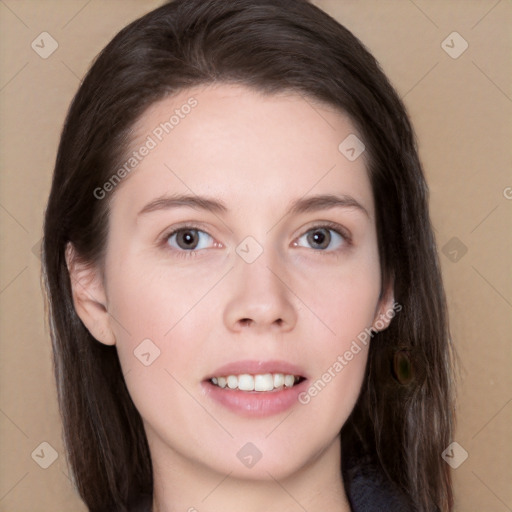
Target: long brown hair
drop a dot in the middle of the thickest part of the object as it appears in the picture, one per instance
(405, 412)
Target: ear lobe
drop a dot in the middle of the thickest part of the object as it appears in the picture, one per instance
(89, 296)
(386, 310)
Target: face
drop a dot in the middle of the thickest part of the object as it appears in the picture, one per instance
(241, 267)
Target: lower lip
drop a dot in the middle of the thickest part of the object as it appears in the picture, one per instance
(255, 403)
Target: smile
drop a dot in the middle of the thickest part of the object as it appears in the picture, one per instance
(256, 388)
(259, 382)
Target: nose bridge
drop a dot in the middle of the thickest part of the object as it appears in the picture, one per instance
(259, 296)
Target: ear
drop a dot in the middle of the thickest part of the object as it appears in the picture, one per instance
(89, 296)
(386, 309)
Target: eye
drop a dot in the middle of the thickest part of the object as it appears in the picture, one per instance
(323, 238)
(189, 239)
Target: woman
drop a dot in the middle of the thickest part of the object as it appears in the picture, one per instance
(245, 296)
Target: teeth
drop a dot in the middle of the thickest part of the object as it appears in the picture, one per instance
(264, 382)
(289, 381)
(246, 382)
(260, 382)
(278, 380)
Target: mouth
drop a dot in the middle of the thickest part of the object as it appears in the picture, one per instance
(256, 388)
(260, 383)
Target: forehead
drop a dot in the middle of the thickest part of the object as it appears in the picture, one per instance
(241, 146)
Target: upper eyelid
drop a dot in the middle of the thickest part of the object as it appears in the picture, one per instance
(188, 225)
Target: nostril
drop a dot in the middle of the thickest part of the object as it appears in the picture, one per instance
(249, 321)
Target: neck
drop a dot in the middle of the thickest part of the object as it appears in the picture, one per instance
(184, 485)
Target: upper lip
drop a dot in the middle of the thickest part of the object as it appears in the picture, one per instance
(257, 367)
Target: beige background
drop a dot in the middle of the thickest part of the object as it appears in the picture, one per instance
(461, 109)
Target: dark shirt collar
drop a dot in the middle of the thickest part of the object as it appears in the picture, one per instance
(369, 491)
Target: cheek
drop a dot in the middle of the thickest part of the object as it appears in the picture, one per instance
(344, 298)
(149, 301)
(159, 341)
(331, 396)
(339, 359)
(160, 318)
(345, 301)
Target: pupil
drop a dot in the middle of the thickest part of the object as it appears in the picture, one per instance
(321, 237)
(188, 238)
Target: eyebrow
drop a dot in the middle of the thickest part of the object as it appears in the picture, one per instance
(301, 205)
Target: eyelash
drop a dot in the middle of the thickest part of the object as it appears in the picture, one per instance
(331, 226)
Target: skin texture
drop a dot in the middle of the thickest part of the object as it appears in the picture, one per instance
(296, 302)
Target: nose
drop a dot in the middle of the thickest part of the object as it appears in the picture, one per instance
(260, 299)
